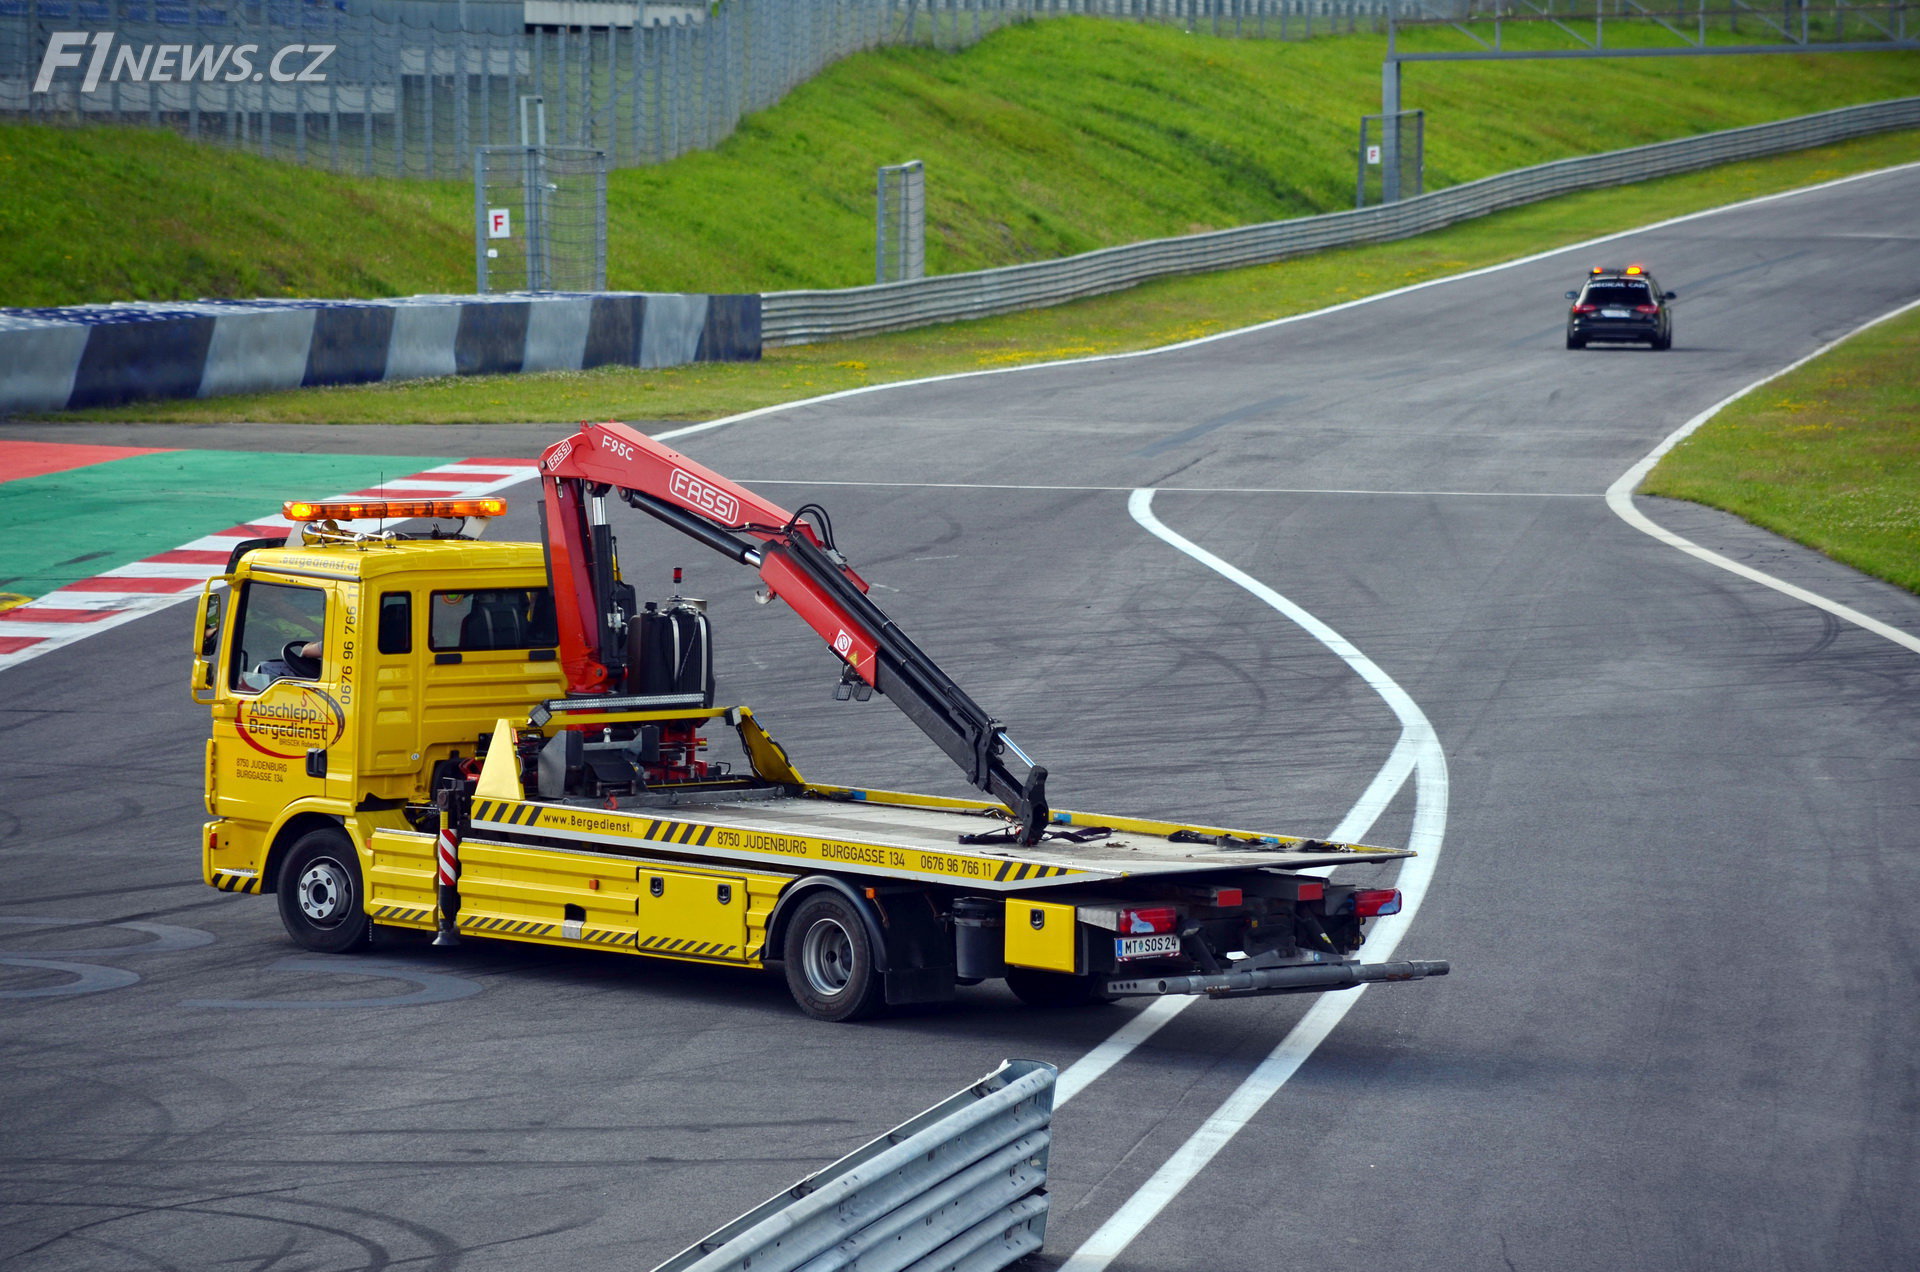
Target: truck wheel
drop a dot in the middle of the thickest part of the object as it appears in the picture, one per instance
(1055, 989)
(829, 961)
(320, 893)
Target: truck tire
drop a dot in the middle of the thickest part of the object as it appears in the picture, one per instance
(830, 960)
(321, 897)
(1055, 989)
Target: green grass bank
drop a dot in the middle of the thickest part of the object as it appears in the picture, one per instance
(1046, 139)
(1828, 455)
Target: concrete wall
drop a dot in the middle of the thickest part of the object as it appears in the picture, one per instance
(103, 355)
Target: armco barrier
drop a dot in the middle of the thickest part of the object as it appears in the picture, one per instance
(103, 355)
(961, 1187)
(800, 317)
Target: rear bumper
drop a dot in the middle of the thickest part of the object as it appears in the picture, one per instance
(1615, 330)
(1311, 978)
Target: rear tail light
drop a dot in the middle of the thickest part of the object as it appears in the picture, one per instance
(1376, 901)
(1586, 309)
(1146, 920)
(1646, 309)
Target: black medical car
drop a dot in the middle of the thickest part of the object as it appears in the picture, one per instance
(1620, 306)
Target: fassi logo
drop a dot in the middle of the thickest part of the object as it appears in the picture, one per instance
(715, 503)
(176, 63)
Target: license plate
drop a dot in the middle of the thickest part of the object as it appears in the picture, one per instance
(1126, 947)
(1613, 313)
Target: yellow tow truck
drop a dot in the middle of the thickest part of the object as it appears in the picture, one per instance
(417, 728)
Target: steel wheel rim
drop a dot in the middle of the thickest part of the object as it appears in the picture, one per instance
(323, 892)
(826, 958)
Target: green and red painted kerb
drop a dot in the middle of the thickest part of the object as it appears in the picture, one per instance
(81, 607)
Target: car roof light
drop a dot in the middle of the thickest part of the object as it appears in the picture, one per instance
(1598, 269)
(389, 509)
(1636, 269)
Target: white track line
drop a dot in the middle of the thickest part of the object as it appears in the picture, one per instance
(1405, 758)
(1620, 499)
(1178, 490)
(1418, 754)
(1417, 750)
(691, 429)
(1413, 742)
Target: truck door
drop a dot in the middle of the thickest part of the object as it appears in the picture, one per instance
(285, 697)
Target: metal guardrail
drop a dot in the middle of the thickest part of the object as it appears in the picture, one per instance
(801, 317)
(961, 1187)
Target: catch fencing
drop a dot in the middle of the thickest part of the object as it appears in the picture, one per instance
(411, 88)
(800, 317)
(540, 219)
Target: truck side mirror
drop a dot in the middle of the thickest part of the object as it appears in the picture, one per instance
(206, 626)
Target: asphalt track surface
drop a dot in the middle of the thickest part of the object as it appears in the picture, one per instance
(1680, 838)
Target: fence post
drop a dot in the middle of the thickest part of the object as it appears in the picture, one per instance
(480, 220)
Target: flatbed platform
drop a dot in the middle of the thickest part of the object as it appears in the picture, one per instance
(892, 834)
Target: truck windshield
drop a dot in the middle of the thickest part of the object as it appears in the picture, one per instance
(276, 624)
(503, 618)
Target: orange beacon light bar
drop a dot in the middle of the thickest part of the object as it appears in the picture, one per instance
(389, 509)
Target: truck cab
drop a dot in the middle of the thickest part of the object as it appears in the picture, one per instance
(414, 648)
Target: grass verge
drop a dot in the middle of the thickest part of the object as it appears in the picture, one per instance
(1828, 455)
(1145, 317)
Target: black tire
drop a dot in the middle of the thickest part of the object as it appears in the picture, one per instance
(1055, 989)
(1575, 342)
(830, 964)
(1663, 342)
(322, 902)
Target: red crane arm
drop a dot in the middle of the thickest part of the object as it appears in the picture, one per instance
(797, 562)
(580, 470)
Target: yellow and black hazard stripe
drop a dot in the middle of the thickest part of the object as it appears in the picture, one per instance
(604, 936)
(409, 913)
(692, 834)
(500, 812)
(505, 812)
(1015, 871)
(506, 927)
(228, 882)
(688, 949)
